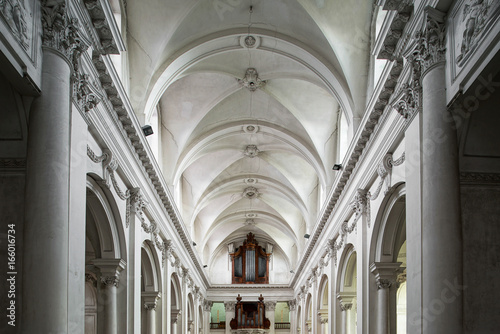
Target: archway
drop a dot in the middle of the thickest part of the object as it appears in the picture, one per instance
(388, 264)
(347, 291)
(150, 289)
(323, 305)
(175, 304)
(105, 256)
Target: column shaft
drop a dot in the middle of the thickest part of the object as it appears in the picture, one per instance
(442, 237)
(109, 312)
(45, 265)
(383, 307)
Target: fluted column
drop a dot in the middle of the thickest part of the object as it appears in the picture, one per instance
(346, 300)
(110, 277)
(441, 230)
(150, 301)
(47, 193)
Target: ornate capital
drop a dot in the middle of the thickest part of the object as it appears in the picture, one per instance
(385, 273)
(112, 280)
(383, 283)
(174, 315)
(431, 47)
(150, 300)
(346, 300)
(229, 306)
(345, 306)
(110, 270)
(207, 305)
(292, 304)
(270, 306)
(60, 31)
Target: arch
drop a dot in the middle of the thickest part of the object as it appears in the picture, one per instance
(150, 264)
(388, 249)
(347, 270)
(390, 226)
(323, 293)
(347, 291)
(104, 228)
(176, 295)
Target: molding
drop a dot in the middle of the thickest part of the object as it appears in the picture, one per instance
(377, 107)
(471, 178)
(105, 25)
(12, 164)
(126, 121)
(393, 27)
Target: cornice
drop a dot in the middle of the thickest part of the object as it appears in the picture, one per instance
(127, 123)
(377, 105)
(393, 27)
(104, 24)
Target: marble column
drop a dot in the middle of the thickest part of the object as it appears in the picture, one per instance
(385, 276)
(441, 231)
(110, 270)
(270, 308)
(346, 301)
(150, 301)
(229, 308)
(47, 192)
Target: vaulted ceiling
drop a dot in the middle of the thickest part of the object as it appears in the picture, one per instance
(255, 101)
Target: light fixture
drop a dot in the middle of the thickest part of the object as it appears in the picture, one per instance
(194, 243)
(148, 130)
(306, 236)
(337, 167)
(204, 266)
(292, 272)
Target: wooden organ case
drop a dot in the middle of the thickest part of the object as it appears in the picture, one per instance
(250, 315)
(250, 263)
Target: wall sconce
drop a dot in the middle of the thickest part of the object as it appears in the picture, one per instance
(306, 236)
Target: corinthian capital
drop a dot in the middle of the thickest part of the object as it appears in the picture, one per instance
(431, 47)
(60, 31)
